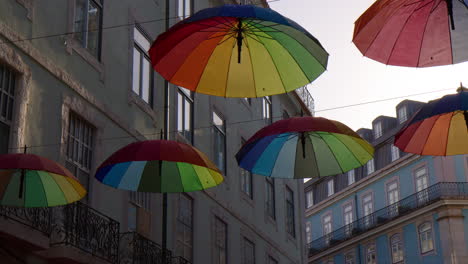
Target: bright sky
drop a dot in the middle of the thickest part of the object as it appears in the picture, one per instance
(352, 78)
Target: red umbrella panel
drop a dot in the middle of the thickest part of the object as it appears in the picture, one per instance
(414, 33)
(439, 128)
(28, 180)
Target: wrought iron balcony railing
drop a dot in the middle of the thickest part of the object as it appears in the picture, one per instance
(83, 227)
(36, 218)
(306, 98)
(180, 260)
(136, 249)
(436, 192)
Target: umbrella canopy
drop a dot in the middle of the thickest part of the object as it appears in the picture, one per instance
(413, 33)
(439, 128)
(238, 51)
(304, 147)
(161, 166)
(28, 180)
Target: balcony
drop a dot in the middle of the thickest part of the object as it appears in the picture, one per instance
(136, 249)
(180, 260)
(305, 96)
(84, 228)
(436, 192)
(36, 218)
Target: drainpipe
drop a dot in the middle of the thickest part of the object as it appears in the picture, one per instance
(356, 212)
(165, 136)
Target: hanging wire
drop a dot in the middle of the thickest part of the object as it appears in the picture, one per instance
(93, 30)
(155, 134)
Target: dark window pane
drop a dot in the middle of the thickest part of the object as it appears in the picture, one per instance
(4, 136)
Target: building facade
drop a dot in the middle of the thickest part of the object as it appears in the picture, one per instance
(398, 208)
(76, 84)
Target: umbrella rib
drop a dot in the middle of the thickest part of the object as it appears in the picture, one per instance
(221, 26)
(276, 66)
(424, 32)
(378, 33)
(299, 65)
(251, 64)
(227, 71)
(331, 151)
(448, 133)
(346, 146)
(43, 188)
(313, 150)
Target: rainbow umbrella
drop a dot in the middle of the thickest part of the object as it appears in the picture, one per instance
(238, 51)
(414, 33)
(439, 128)
(161, 166)
(304, 147)
(28, 180)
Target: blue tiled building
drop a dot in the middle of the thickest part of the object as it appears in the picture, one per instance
(398, 208)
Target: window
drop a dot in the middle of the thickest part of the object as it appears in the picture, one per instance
(330, 187)
(309, 199)
(397, 248)
(327, 227)
(142, 71)
(246, 179)
(270, 197)
(132, 217)
(88, 25)
(79, 153)
(349, 258)
(267, 109)
(370, 254)
(421, 184)
(425, 238)
(393, 196)
(184, 236)
(7, 91)
(248, 255)
(377, 130)
(351, 177)
(370, 166)
(220, 247)
(184, 8)
(402, 114)
(348, 218)
(271, 260)
(308, 232)
(185, 113)
(368, 206)
(219, 142)
(395, 152)
(290, 221)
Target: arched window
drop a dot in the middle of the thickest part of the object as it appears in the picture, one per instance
(397, 248)
(425, 237)
(371, 257)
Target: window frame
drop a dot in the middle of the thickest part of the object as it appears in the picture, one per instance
(394, 152)
(348, 226)
(183, 15)
(181, 223)
(246, 177)
(352, 255)
(400, 114)
(290, 206)
(222, 132)
(351, 173)
(267, 109)
(368, 217)
(330, 187)
(270, 183)
(184, 97)
(245, 242)
(216, 246)
(327, 225)
(8, 86)
(420, 240)
(400, 244)
(78, 143)
(143, 56)
(370, 166)
(374, 246)
(84, 32)
(309, 199)
(377, 128)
